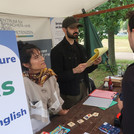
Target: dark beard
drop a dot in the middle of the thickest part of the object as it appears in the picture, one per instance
(72, 36)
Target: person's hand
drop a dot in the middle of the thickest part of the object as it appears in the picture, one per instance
(80, 68)
(97, 61)
(120, 104)
(63, 111)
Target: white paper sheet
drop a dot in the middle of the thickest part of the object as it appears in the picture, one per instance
(98, 102)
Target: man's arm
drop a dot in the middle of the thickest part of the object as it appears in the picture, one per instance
(94, 66)
(85, 59)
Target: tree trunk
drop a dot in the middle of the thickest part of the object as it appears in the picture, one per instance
(111, 50)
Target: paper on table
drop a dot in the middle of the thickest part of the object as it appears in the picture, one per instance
(98, 102)
(103, 94)
(113, 77)
(113, 103)
(98, 53)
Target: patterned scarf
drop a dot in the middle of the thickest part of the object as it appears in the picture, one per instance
(41, 77)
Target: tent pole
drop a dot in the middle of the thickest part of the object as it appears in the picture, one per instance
(103, 11)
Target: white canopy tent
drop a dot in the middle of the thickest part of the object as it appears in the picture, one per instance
(47, 8)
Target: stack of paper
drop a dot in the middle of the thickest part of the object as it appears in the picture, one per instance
(103, 94)
(114, 79)
(98, 52)
(101, 98)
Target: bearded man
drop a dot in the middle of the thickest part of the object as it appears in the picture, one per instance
(68, 60)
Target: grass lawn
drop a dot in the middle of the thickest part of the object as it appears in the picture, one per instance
(98, 76)
(121, 45)
(102, 71)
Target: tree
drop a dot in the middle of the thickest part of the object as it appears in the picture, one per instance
(108, 24)
(124, 25)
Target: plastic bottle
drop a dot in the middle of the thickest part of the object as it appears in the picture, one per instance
(119, 72)
(110, 84)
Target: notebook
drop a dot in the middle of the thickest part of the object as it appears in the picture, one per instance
(98, 102)
(113, 103)
(103, 94)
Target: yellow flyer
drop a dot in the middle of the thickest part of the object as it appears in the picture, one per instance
(98, 52)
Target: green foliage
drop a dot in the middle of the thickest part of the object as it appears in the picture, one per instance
(99, 74)
(107, 67)
(108, 21)
(124, 25)
(107, 24)
(124, 62)
(81, 32)
(103, 70)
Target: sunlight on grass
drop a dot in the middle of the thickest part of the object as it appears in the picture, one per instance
(121, 44)
(98, 76)
(102, 71)
(121, 37)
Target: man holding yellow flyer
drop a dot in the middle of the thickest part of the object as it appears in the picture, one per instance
(69, 61)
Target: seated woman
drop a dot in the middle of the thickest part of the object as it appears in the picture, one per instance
(41, 86)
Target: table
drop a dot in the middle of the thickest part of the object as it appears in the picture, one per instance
(78, 112)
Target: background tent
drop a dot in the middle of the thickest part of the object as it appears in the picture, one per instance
(47, 8)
